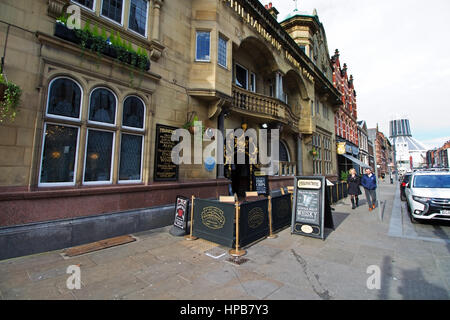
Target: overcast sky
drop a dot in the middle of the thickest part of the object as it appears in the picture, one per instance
(399, 54)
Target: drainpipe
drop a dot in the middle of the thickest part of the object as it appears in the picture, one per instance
(221, 128)
(299, 155)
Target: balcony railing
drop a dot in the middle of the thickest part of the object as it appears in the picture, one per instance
(263, 105)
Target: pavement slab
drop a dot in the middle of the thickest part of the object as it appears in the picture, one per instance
(160, 266)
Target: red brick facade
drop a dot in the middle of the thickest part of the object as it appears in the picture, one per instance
(346, 117)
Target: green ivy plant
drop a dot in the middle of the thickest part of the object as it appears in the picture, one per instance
(344, 175)
(91, 38)
(10, 100)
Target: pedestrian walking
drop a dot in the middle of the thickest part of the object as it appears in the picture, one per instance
(369, 182)
(354, 191)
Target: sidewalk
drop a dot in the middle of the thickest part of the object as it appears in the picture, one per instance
(160, 266)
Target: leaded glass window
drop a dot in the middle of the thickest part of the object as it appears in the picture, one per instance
(59, 154)
(112, 9)
(102, 106)
(202, 46)
(64, 98)
(138, 16)
(222, 52)
(133, 113)
(130, 158)
(98, 161)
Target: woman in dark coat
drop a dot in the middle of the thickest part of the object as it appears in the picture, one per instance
(354, 191)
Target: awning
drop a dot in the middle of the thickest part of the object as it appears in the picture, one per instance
(357, 161)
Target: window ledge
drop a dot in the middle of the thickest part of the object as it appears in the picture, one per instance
(60, 192)
(60, 43)
(55, 9)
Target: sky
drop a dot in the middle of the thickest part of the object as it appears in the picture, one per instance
(398, 52)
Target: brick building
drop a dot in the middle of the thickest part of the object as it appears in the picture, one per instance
(346, 126)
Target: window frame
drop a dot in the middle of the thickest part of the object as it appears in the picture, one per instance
(142, 159)
(113, 150)
(75, 170)
(99, 123)
(235, 75)
(55, 116)
(113, 21)
(94, 5)
(196, 45)
(146, 21)
(221, 37)
(253, 79)
(141, 130)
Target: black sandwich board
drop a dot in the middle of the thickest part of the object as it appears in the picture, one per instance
(308, 210)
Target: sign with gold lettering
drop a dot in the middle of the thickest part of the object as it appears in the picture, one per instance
(165, 169)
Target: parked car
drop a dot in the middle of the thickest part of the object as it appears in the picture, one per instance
(428, 196)
(403, 184)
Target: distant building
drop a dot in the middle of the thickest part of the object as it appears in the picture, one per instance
(381, 148)
(363, 139)
(439, 157)
(409, 153)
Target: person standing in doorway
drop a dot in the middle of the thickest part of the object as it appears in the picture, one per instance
(354, 191)
(369, 182)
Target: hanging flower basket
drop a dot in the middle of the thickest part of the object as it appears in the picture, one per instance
(10, 94)
(313, 152)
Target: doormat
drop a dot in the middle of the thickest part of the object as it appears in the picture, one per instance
(99, 245)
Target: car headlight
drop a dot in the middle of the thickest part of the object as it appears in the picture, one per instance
(423, 200)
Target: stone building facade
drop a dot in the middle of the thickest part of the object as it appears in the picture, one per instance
(88, 135)
(317, 122)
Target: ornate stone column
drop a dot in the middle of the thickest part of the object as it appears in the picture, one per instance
(157, 4)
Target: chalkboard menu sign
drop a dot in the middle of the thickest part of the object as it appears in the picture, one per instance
(165, 169)
(261, 184)
(308, 207)
(181, 209)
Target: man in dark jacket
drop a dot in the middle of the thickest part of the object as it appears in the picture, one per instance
(369, 182)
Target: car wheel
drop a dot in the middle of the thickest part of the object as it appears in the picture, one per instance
(413, 220)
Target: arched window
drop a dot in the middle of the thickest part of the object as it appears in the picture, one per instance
(102, 106)
(133, 113)
(60, 141)
(64, 98)
(131, 147)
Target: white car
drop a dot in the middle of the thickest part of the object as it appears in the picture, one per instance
(428, 196)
